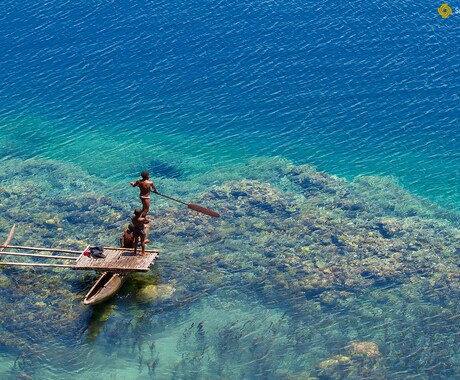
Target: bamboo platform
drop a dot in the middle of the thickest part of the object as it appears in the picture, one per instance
(118, 260)
(116, 265)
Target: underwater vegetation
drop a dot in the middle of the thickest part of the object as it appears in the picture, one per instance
(163, 169)
(310, 276)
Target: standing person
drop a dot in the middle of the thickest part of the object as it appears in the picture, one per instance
(127, 237)
(145, 186)
(139, 223)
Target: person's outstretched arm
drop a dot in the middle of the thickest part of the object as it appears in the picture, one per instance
(145, 220)
(134, 184)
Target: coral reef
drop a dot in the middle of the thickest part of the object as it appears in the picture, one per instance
(316, 243)
(304, 241)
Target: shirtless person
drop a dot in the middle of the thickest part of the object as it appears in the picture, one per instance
(139, 222)
(145, 186)
(127, 237)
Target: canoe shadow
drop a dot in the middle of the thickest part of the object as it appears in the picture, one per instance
(99, 315)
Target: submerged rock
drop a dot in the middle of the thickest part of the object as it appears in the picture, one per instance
(334, 362)
(341, 298)
(362, 360)
(155, 293)
(367, 349)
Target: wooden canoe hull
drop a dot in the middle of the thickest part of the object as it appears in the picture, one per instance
(105, 287)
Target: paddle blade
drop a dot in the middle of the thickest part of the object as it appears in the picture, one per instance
(203, 210)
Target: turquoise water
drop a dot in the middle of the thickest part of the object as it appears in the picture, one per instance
(224, 104)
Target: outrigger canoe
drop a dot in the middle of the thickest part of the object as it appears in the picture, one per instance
(104, 288)
(110, 280)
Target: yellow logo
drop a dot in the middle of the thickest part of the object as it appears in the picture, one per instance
(444, 10)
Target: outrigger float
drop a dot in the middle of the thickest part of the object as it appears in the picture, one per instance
(116, 265)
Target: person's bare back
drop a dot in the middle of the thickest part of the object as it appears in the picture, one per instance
(127, 237)
(145, 187)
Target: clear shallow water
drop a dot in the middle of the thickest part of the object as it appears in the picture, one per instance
(201, 94)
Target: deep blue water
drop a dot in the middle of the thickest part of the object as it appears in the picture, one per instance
(352, 88)
(191, 89)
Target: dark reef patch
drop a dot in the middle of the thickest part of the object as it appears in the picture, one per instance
(163, 169)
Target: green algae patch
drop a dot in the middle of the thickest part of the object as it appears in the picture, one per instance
(5, 281)
(334, 361)
(155, 292)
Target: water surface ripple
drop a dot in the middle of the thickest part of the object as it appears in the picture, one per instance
(306, 274)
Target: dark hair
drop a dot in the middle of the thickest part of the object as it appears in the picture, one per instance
(145, 174)
(130, 227)
(137, 211)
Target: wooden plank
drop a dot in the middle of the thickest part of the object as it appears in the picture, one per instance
(5, 245)
(112, 269)
(132, 249)
(82, 254)
(8, 239)
(41, 249)
(36, 265)
(38, 255)
(117, 261)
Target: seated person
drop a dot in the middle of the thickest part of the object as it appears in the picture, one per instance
(127, 237)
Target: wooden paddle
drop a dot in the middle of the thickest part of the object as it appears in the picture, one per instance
(194, 207)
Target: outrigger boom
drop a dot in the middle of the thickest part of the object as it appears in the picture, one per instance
(116, 260)
(8, 239)
(116, 264)
(12, 263)
(40, 249)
